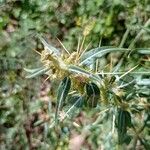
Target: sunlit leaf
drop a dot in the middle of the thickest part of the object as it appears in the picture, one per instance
(99, 52)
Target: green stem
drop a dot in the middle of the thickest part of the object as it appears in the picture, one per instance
(124, 37)
(139, 35)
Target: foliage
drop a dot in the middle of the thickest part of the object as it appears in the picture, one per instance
(99, 95)
(95, 88)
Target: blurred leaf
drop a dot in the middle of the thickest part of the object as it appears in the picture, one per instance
(145, 28)
(145, 82)
(145, 51)
(38, 123)
(127, 139)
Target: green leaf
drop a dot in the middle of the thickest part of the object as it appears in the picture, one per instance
(48, 47)
(37, 72)
(74, 98)
(145, 51)
(93, 94)
(123, 121)
(128, 119)
(33, 70)
(121, 126)
(62, 93)
(144, 82)
(79, 70)
(78, 102)
(99, 52)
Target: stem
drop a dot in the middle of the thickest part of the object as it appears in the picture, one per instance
(131, 45)
(118, 73)
(139, 34)
(124, 37)
(80, 50)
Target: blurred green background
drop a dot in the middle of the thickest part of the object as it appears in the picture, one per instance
(23, 101)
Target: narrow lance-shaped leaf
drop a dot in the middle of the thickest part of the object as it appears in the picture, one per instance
(128, 119)
(37, 72)
(121, 126)
(76, 105)
(62, 93)
(123, 121)
(93, 51)
(74, 98)
(47, 46)
(93, 94)
(145, 51)
(79, 70)
(33, 70)
(99, 52)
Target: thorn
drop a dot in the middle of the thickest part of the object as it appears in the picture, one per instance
(128, 72)
(80, 50)
(63, 46)
(45, 80)
(37, 52)
(85, 50)
(78, 47)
